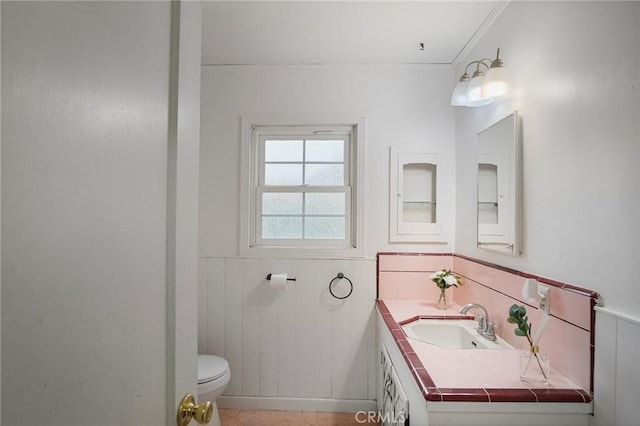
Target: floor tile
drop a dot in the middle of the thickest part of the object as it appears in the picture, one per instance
(230, 417)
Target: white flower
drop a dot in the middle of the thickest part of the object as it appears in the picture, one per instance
(451, 280)
(439, 274)
(444, 279)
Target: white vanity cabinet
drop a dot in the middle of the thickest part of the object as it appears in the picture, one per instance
(391, 360)
(458, 412)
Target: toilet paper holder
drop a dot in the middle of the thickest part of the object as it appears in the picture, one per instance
(288, 279)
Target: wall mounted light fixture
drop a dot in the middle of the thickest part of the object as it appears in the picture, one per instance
(482, 89)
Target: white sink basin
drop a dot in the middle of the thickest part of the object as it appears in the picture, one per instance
(452, 334)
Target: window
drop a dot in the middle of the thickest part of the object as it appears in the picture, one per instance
(302, 187)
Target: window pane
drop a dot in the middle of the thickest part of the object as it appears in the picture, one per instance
(282, 227)
(283, 150)
(283, 174)
(324, 150)
(281, 203)
(324, 228)
(324, 174)
(319, 203)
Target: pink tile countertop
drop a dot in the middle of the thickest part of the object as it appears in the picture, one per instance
(488, 375)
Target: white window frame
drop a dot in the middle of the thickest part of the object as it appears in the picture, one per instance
(252, 171)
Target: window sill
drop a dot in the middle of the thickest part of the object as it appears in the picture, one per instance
(302, 252)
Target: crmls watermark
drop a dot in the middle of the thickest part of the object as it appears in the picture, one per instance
(375, 417)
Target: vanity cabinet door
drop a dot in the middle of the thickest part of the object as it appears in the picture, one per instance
(393, 402)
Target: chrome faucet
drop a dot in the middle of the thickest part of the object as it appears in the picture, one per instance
(486, 328)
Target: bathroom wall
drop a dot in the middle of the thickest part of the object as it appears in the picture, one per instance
(298, 342)
(574, 68)
(575, 76)
(302, 343)
(402, 105)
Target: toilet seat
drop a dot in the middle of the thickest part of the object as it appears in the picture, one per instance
(211, 367)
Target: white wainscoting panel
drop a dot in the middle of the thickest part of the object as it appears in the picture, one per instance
(616, 369)
(298, 342)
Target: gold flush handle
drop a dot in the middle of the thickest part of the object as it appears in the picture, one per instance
(188, 410)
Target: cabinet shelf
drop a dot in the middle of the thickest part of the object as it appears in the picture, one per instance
(419, 202)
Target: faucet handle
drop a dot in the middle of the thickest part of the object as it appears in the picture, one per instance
(482, 323)
(490, 330)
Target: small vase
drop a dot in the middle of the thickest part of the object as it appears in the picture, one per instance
(442, 300)
(534, 367)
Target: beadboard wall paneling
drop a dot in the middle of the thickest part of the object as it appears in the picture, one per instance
(298, 342)
(617, 370)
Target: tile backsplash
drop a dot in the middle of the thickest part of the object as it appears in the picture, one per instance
(568, 339)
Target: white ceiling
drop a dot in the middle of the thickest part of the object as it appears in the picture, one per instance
(341, 32)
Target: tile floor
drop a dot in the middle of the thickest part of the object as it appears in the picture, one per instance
(229, 417)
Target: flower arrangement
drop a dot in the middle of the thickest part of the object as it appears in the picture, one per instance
(444, 279)
(518, 316)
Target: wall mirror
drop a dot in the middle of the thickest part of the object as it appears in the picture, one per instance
(499, 186)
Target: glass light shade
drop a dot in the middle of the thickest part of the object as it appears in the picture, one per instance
(495, 83)
(474, 93)
(459, 96)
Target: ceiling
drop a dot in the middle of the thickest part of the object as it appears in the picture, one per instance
(341, 32)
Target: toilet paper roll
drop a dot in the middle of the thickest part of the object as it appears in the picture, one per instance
(278, 281)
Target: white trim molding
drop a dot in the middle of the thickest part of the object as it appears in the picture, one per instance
(619, 315)
(297, 404)
(248, 177)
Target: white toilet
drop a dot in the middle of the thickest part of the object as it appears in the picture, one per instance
(213, 377)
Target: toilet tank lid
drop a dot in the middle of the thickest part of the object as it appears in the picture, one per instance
(211, 367)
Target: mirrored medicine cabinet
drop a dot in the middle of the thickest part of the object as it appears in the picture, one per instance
(499, 181)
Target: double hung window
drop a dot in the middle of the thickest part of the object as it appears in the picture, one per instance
(303, 188)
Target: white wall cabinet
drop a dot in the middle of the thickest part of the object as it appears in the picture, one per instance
(416, 182)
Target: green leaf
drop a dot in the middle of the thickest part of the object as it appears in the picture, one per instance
(518, 316)
(513, 310)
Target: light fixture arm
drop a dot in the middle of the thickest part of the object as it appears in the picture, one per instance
(478, 63)
(497, 62)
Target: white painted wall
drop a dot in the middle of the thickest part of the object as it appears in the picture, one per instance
(403, 106)
(261, 332)
(575, 73)
(580, 143)
(303, 343)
